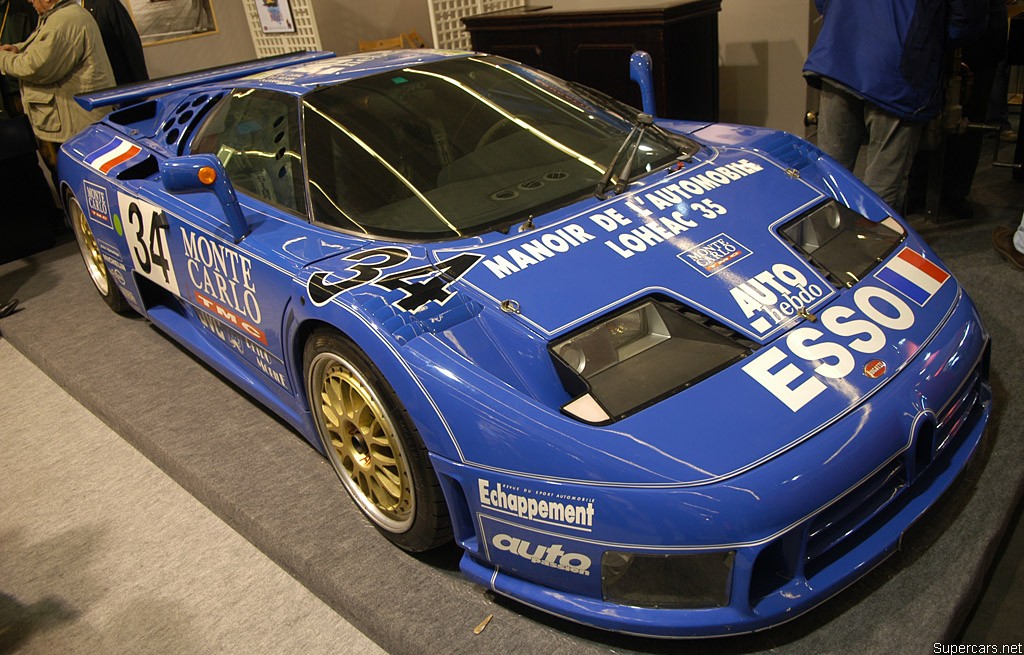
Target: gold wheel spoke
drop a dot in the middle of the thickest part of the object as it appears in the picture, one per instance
(365, 448)
(89, 247)
(390, 480)
(384, 457)
(387, 494)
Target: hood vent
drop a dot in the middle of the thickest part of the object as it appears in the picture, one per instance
(788, 149)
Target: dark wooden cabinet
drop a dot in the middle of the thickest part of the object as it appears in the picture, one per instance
(593, 47)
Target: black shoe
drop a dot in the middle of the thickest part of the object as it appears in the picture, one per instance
(1002, 241)
(8, 308)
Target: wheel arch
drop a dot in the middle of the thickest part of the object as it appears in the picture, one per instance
(384, 353)
(63, 193)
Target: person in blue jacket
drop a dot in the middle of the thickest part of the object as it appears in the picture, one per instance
(879, 65)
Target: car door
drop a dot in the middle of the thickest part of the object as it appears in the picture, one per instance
(239, 292)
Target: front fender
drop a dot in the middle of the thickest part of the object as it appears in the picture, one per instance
(363, 319)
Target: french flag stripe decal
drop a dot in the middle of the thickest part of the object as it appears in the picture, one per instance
(116, 152)
(913, 276)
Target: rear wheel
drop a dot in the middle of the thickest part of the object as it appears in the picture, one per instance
(94, 263)
(373, 445)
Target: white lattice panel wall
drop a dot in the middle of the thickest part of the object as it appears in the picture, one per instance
(446, 27)
(305, 36)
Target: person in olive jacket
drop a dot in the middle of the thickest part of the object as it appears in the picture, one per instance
(64, 56)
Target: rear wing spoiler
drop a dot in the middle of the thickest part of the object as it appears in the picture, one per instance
(141, 90)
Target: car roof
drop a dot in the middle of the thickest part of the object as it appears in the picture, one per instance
(302, 78)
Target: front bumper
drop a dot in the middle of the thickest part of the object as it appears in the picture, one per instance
(801, 527)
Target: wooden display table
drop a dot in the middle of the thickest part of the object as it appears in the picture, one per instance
(593, 47)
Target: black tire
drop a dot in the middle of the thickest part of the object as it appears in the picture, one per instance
(94, 264)
(373, 445)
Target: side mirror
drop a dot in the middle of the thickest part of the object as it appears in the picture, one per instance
(204, 173)
(640, 72)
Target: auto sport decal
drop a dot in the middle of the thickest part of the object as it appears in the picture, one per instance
(913, 276)
(859, 329)
(112, 155)
(658, 216)
(420, 286)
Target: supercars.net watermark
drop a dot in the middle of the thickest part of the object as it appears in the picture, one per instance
(971, 649)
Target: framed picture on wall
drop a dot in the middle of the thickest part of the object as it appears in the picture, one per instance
(275, 16)
(160, 21)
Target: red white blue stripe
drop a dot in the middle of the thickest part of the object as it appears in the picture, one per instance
(113, 154)
(913, 276)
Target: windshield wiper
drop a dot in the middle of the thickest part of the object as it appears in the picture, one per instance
(630, 143)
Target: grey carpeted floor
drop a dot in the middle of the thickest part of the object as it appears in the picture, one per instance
(102, 553)
(267, 484)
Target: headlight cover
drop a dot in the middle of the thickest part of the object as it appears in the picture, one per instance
(637, 357)
(688, 581)
(841, 242)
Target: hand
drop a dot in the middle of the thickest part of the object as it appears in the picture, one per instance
(8, 48)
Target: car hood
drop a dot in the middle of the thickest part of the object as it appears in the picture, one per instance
(703, 234)
(718, 252)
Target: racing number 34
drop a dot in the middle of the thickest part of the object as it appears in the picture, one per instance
(146, 232)
(148, 245)
(369, 268)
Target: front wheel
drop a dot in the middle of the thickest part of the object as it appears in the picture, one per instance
(373, 445)
(94, 263)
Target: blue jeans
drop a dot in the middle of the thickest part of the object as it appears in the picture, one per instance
(846, 122)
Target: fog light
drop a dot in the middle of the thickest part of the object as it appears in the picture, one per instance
(667, 581)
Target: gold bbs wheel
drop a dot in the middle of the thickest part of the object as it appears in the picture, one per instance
(90, 249)
(364, 447)
(94, 263)
(373, 444)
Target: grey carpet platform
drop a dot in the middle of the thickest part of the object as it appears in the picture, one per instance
(269, 485)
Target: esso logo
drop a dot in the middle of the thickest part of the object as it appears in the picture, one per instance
(860, 331)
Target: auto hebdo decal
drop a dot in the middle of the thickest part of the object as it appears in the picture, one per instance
(657, 216)
(776, 295)
(420, 285)
(878, 315)
(145, 228)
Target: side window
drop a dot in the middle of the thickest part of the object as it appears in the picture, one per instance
(255, 134)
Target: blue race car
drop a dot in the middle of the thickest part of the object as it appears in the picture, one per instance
(655, 376)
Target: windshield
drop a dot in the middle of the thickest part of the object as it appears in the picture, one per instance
(460, 146)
